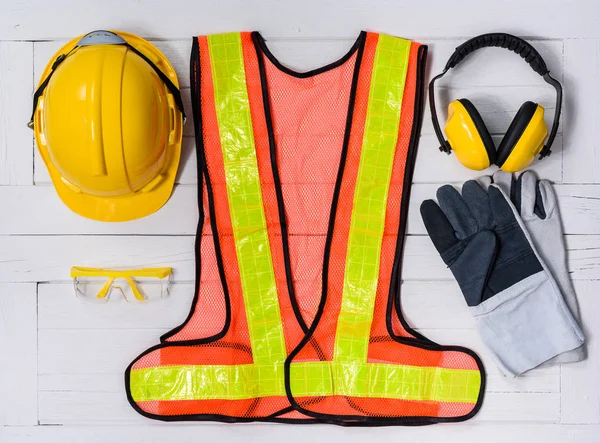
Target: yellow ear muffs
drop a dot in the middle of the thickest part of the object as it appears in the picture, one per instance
(524, 138)
(468, 136)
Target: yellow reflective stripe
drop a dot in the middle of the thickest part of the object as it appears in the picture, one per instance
(370, 198)
(245, 198)
(308, 379)
(205, 382)
(349, 374)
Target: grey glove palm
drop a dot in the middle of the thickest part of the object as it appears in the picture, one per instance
(518, 308)
(536, 203)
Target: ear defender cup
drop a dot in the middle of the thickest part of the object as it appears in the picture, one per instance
(524, 138)
(468, 136)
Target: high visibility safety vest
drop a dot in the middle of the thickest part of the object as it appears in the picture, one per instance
(304, 189)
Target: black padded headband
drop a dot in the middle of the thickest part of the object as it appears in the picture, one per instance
(167, 81)
(514, 44)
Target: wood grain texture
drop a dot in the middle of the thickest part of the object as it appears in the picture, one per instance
(146, 432)
(580, 384)
(579, 205)
(582, 111)
(497, 96)
(62, 361)
(307, 19)
(18, 354)
(49, 258)
(16, 139)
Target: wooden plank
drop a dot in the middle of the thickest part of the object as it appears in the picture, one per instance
(18, 348)
(49, 258)
(426, 305)
(69, 351)
(184, 18)
(582, 256)
(58, 308)
(479, 78)
(85, 408)
(40, 259)
(432, 166)
(16, 139)
(580, 383)
(488, 68)
(155, 432)
(582, 111)
(580, 211)
(579, 207)
(179, 216)
(528, 407)
(176, 51)
(83, 352)
(81, 380)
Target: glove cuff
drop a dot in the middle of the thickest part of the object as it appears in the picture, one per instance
(526, 325)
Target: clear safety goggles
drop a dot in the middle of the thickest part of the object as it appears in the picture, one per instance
(136, 285)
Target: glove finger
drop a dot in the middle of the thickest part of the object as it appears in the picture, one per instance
(438, 227)
(546, 201)
(525, 194)
(485, 181)
(501, 208)
(506, 182)
(479, 204)
(457, 212)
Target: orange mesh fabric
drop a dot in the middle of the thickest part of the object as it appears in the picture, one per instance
(234, 347)
(300, 124)
(309, 123)
(382, 348)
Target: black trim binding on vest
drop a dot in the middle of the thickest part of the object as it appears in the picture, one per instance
(202, 174)
(257, 39)
(327, 251)
(394, 298)
(260, 50)
(396, 280)
(419, 341)
(260, 41)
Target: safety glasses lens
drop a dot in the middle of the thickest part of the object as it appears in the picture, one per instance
(133, 289)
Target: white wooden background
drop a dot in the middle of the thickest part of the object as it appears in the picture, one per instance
(61, 362)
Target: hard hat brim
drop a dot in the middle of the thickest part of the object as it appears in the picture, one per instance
(118, 209)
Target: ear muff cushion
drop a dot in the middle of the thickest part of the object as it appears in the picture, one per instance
(486, 138)
(515, 131)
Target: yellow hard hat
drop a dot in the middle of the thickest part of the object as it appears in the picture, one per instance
(108, 120)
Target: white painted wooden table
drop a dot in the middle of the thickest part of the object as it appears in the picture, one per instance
(61, 362)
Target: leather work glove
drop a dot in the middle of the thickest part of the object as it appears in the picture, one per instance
(519, 310)
(537, 205)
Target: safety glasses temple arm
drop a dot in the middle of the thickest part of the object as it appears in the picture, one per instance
(434, 118)
(557, 86)
(136, 293)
